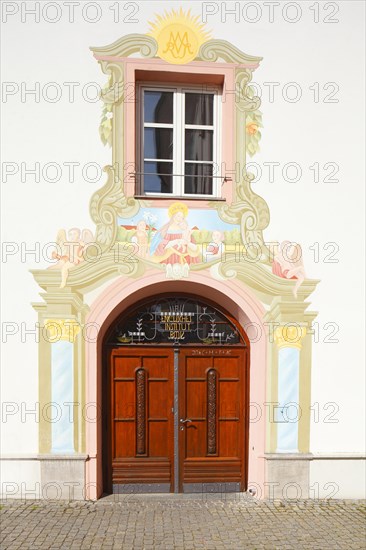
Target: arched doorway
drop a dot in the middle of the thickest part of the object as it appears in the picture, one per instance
(175, 398)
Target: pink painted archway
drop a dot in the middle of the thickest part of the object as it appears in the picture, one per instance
(235, 298)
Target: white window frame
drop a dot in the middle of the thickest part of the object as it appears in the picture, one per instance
(179, 127)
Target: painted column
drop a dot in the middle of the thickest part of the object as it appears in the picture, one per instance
(62, 334)
(287, 415)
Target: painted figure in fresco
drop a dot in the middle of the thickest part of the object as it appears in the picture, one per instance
(141, 239)
(288, 264)
(215, 248)
(71, 250)
(173, 245)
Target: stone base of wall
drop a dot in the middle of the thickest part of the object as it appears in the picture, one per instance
(43, 476)
(63, 476)
(315, 476)
(287, 476)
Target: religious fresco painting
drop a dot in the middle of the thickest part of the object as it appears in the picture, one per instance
(178, 238)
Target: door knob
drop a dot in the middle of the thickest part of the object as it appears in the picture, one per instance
(184, 420)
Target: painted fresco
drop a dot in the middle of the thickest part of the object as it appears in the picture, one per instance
(178, 238)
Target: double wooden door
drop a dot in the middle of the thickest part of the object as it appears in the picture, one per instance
(177, 419)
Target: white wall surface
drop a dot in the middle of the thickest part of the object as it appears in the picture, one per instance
(304, 132)
(337, 478)
(21, 479)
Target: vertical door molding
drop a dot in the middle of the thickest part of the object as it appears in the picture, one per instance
(141, 412)
(212, 412)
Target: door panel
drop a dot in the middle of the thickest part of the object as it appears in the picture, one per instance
(212, 406)
(141, 401)
(211, 400)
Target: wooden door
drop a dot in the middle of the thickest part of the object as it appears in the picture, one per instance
(141, 419)
(212, 418)
(209, 403)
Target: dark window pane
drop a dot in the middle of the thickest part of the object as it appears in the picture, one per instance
(199, 145)
(145, 324)
(158, 107)
(197, 180)
(158, 143)
(199, 109)
(157, 177)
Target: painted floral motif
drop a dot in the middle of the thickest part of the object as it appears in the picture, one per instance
(150, 219)
(106, 123)
(253, 123)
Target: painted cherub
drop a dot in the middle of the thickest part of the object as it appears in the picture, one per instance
(71, 250)
(186, 236)
(288, 264)
(141, 239)
(216, 247)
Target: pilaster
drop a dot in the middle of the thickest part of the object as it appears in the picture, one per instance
(61, 371)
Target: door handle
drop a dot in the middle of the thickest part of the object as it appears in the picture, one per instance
(184, 420)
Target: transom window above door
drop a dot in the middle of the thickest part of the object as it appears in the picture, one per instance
(179, 141)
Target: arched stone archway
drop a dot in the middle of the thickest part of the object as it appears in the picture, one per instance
(241, 304)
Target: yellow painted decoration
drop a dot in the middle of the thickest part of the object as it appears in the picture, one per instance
(253, 125)
(62, 329)
(179, 36)
(289, 336)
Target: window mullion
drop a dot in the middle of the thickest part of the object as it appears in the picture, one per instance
(175, 140)
(183, 151)
(179, 142)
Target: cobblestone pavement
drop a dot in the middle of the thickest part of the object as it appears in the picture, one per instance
(183, 522)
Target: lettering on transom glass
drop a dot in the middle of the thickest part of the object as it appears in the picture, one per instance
(174, 321)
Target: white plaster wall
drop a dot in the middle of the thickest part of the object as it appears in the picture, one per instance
(20, 479)
(337, 478)
(304, 132)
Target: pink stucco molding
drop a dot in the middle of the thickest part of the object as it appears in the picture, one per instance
(119, 59)
(230, 294)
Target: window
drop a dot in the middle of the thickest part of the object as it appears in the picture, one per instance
(179, 141)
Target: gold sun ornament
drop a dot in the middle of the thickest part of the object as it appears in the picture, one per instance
(179, 35)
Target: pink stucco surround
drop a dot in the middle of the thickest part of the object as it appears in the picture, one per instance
(204, 74)
(238, 300)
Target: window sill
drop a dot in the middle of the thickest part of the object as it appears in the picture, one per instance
(178, 197)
